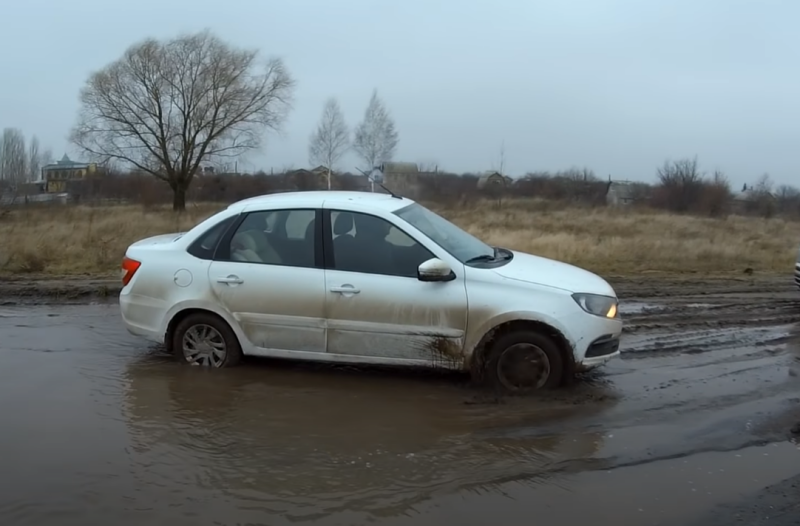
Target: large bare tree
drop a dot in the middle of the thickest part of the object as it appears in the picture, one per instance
(331, 138)
(375, 138)
(13, 157)
(167, 106)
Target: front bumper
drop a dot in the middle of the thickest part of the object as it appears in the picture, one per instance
(599, 352)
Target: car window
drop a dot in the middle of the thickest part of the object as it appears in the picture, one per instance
(370, 244)
(205, 245)
(282, 237)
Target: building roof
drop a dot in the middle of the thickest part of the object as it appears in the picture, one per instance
(65, 164)
(492, 177)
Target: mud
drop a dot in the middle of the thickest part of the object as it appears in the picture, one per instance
(692, 425)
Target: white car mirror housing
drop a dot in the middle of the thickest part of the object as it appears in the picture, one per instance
(435, 269)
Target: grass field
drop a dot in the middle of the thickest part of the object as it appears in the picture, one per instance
(90, 241)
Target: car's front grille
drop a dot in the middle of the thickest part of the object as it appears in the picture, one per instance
(603, 346)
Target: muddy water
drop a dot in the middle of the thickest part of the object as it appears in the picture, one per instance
(98, 428)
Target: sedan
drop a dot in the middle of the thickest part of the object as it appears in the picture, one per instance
(365, 278)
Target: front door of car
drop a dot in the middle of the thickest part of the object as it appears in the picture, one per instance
(269, 275)
(375, 305)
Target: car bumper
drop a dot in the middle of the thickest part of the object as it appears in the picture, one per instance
(797, 275)
(591, 363)
(141, 317)
(599, 342)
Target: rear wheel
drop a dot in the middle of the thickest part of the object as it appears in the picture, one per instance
(204, 339)
(521, 362)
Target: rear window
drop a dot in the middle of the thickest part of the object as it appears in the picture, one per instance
(205, 245)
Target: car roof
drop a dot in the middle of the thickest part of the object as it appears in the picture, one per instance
(365, 200)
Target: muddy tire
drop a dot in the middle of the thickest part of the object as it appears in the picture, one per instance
(522, 362)
(206, 340)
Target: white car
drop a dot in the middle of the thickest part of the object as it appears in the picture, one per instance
(797, 271)
(365, 278)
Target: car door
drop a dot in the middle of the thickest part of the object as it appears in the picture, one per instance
(272, 280)
(376, 308)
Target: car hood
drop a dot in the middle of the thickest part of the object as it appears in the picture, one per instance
(551, 273)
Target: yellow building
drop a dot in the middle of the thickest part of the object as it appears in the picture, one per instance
(56, 176)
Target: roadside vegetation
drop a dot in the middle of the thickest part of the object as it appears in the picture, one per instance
(167, 121)
(91, 240)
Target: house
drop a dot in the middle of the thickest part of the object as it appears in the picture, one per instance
(751, 200)
(55, 177)
(401, 178)
(493, 180)
(620, 193)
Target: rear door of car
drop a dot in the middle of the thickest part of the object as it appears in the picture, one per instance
(268, 273)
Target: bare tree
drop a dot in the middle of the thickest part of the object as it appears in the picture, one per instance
(34, 159)
(763, 198)
(681, 182)
(46, 157)
(331, 139)
(788, 199)
(165, 107)
(428, 166)
(764, 185)
(13, 157)
(375, 138)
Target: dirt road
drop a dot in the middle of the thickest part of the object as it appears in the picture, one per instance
(691, 426)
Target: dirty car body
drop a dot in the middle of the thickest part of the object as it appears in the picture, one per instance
(368, 279)
(797, 270)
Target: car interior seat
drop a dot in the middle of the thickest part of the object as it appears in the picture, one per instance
(245, 248)
(345, 247)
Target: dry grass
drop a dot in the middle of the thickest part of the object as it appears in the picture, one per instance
(91, 241)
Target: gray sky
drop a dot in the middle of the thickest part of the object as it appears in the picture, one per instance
(615, 85)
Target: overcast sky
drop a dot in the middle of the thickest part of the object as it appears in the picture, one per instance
(615, 85)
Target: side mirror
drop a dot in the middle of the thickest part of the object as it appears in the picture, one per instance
(435, 270)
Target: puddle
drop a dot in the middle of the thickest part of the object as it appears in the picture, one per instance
(635, 307)
(661, 492)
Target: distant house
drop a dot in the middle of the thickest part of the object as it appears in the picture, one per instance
(750, 199)
(401, 178)
(493, 180)
(55, 177)
(620, 193)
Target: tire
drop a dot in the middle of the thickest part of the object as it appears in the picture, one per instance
(205, 332)
(515, 349)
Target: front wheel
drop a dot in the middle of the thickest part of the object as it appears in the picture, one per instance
(206, 340)
(521, 362)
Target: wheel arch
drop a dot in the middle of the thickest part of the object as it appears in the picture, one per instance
(477, 359)
(181, 313)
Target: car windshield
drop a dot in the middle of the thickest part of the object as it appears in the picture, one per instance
(461, 245)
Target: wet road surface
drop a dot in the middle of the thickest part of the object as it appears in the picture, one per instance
(99, 428)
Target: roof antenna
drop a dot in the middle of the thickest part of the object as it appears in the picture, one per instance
(380, 184)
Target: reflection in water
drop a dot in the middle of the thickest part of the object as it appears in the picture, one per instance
(294, 441)
(97, 429)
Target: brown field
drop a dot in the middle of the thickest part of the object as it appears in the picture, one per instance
(69, 241)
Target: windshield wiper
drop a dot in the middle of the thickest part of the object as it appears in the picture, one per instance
(483, 257)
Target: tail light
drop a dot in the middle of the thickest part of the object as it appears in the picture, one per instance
(129, 268)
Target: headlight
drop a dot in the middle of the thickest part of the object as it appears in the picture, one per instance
(604, 306)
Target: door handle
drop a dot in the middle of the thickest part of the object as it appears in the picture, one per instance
(345, 289)
(231, 280)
